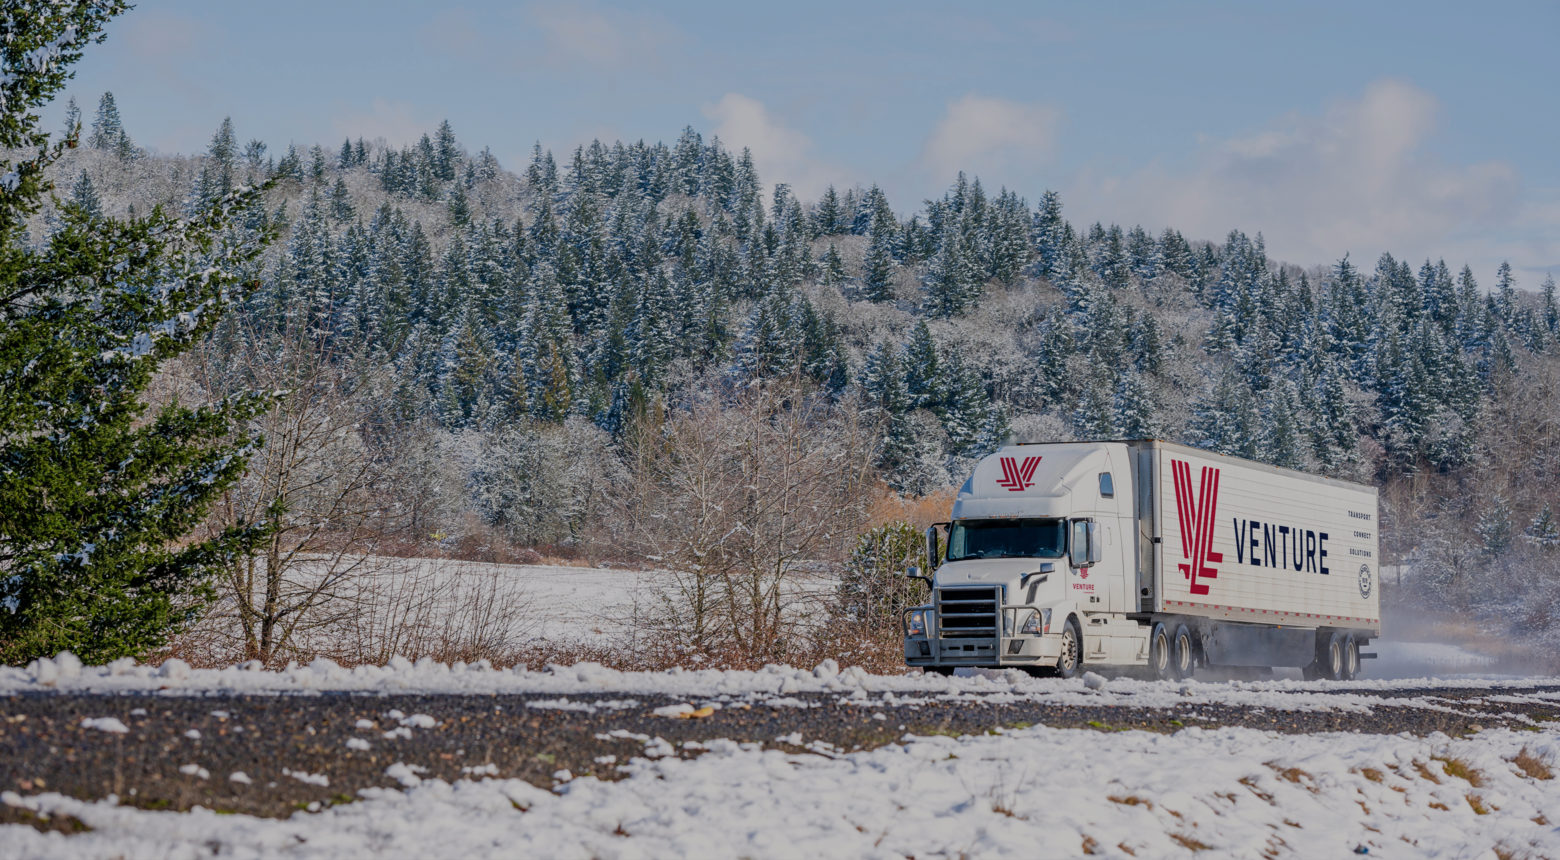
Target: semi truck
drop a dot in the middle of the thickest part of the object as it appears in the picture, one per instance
(1143, 553)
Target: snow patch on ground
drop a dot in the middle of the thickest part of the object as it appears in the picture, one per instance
(775, 686)
(1233, 793)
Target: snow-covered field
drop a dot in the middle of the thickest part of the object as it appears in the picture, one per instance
(1035, 792)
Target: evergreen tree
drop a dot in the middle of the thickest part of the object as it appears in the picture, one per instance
(223, 154)
(98, 499)
(107, 129)
(1094, 417)
(1135, 408)
(883, 388)
(951, 284)
(1543, 532)
(1549, 310)
(84, 196)
(1494, 528)
(72, 128)
(833, 268)
(877, 269)
(341, 201)
(446, 153)
(923, 369)
(964, 408)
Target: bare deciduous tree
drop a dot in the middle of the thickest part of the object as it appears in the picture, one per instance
(744, 501)
(314, 481)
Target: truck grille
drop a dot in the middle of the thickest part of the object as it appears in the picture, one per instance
(967, 613)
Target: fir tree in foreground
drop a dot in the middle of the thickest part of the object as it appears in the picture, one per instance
(98, 497)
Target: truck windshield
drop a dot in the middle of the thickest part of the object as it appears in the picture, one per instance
(969, 539)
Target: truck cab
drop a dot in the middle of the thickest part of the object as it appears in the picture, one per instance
(1040, 551)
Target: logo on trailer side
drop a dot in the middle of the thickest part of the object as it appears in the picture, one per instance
(1365, 581)
(1016, 476)
(1196, 514)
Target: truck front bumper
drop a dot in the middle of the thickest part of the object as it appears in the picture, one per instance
(1008, 651)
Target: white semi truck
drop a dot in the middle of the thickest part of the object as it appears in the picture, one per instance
(1146, 553)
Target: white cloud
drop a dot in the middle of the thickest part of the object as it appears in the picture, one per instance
(396, 122)
(980, 134)
(781, 153)
(1355, 178)
(600, 36)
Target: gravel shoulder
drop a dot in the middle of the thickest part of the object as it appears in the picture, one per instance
(271, 755)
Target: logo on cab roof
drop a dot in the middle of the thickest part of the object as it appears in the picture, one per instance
(1196, 514)
(1016, 476)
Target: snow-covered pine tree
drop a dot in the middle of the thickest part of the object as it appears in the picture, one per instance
(1494, 527)
(877, 268)
(98, 499)
(84, 196)
(1543, 532)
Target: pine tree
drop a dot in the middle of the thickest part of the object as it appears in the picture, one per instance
(107, 129)
(1543, 532)
(341, 201)
(1550, 310)
(223, 153)
(98, 499)
(84, 196)
(951, 285)
(883, 386)
(1494, 528)
(72, 128)
(1135, 408)
(1094, 416)
(923, 369)
(446, 152)
(829, 217)
(965, 407)
(877, 269)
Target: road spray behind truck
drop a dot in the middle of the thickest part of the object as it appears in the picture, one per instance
(1068, 555)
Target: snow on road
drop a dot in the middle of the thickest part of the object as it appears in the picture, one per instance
(1037, 792)
(773, 685)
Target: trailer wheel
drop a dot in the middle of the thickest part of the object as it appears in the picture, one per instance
(1070, 662)
(1333, 658)
(1159, 653)
(1351, 658)
(1183, 657)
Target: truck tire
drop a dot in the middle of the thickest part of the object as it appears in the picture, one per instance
(1070, 663)
(1351, 658)
(1332, 658)
(1159, 662)
(1183, 658)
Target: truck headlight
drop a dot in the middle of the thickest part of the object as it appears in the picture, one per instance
(1036, 623)
(916, 625)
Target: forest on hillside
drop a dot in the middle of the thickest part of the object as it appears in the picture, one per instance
(559, 359)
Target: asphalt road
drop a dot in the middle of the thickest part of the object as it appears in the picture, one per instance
(299, 750)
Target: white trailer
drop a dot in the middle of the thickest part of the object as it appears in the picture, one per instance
(1146, 553)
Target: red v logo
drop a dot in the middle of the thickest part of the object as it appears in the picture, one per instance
(1016, 477)
(1196, 515)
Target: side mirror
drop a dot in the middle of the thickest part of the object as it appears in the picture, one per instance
(1083, 550)
(915, 573)
(933, 553)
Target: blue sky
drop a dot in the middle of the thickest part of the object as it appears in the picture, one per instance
(1416, 128)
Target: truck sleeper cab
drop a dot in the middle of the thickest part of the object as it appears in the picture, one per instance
(1145, 553)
